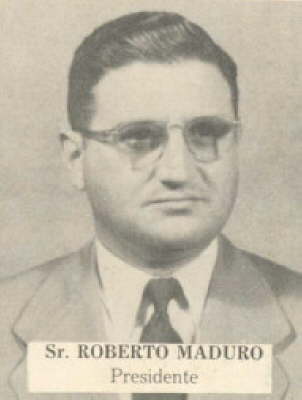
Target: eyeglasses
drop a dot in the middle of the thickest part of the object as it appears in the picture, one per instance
(206, 137)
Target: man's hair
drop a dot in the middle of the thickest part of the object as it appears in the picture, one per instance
(148, 37)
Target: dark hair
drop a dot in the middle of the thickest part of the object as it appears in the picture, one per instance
(148, 37)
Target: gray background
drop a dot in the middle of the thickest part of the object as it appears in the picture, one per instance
(42, 216)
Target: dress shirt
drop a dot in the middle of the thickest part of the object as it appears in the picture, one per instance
(122, 288)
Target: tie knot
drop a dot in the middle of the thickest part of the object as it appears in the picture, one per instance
(160, 292)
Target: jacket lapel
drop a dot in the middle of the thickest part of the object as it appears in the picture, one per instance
(241, 308)
(75, 313)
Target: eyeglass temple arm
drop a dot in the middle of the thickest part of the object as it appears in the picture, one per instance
(105, 136)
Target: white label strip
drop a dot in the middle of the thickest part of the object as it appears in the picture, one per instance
(154, 368)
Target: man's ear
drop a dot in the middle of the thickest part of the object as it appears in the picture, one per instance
(73, 146)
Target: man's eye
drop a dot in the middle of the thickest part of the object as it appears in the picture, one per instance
(141, 138)
(206, 129)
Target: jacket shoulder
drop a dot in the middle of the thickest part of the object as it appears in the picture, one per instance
(17, 290)
(282, 280)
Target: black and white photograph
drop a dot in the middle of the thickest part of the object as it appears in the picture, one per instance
(150, 200)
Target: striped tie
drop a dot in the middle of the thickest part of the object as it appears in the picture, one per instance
(159, 292)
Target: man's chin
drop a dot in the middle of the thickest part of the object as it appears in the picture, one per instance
(178, 237)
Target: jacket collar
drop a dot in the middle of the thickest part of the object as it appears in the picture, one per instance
(240, 308)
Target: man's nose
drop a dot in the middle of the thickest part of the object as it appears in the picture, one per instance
(172, 168)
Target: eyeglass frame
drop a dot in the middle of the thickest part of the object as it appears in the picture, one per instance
(111, 136)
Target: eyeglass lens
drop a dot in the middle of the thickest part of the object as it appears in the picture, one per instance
(206, 137)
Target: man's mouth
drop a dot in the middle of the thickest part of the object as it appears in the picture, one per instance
(177, 200)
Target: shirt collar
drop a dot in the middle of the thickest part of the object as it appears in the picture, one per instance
(123, 284)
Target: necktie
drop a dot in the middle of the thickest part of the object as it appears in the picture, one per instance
(160, 292)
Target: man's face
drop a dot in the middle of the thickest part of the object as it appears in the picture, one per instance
(175, 202)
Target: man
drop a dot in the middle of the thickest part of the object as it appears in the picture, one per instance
(153, 106)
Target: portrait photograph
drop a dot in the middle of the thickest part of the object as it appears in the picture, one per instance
(150, 197)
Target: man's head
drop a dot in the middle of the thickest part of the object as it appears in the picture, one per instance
(152, 103)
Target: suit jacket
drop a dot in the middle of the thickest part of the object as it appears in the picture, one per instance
(250, 300)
